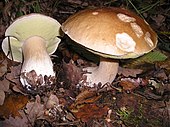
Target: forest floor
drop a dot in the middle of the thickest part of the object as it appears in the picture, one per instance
(138, 97)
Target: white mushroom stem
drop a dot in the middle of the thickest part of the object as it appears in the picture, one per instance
(36, 57)
(104, 73)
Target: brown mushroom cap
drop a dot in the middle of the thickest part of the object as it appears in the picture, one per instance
(111, 32)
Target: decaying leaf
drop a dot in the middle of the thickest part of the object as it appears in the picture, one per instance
(90, 111)
(13, 76)
(2, 30)
(164, 65)
(16, 122)
(12, 104)
(129, 72)
(4, 85)
(2, 97)
(159, 19)
(35, 110)
(52, 101)
(17, 89)
(84, 107)
(130, 84)
(72, 72)
(3, 67)
(161, 75)
(88, 95)
(85, 97)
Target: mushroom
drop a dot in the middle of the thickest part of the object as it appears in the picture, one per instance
(31, 39)
(111, 33)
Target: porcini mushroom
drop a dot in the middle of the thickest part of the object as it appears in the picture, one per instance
(31, 39)
(111, 33)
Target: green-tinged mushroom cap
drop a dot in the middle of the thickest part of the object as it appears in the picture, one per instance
(28, 26)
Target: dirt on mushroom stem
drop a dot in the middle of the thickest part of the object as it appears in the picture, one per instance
(33, 83)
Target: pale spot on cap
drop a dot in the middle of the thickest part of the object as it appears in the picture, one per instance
(148, 39)
(137, 29)
(125, 18)
(95, 13)
(125, 42)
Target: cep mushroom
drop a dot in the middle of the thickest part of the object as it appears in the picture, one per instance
(111, 33)
(31, 39)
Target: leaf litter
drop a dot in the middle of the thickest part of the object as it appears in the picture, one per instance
(139, 96)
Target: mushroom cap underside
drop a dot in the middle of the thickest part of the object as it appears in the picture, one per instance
(111, 32)
(28, 26)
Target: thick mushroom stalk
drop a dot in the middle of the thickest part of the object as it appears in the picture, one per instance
(30, 39)
(36, 59)
(104, 73)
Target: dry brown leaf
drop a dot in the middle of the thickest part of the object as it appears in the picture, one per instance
(4, 85)
(71, 72)
(159, 19)
(18, 89)
(2, 30)
(3, 67)
(16, 122)
(85, 97)
(84, 107)
(12, 104)
(13, 76)
(35, 110)
(2, 97)
(161, 75)
(164, 65)
(129, 84)
(52, 101)
(129, 72)
(90, 111)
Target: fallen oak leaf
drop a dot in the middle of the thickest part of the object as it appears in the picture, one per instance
(35, 110)
(72, 72)
(14, 79)
(3, 67)
(163, 65)
(16, 122)
(52, 101)
(129, 84)
(129, 72)
(12, 104)
(13, 76)
(90, 111)
(85, 94)
(161, 75)
(85, 97)
(4, 85)
(18, 89)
